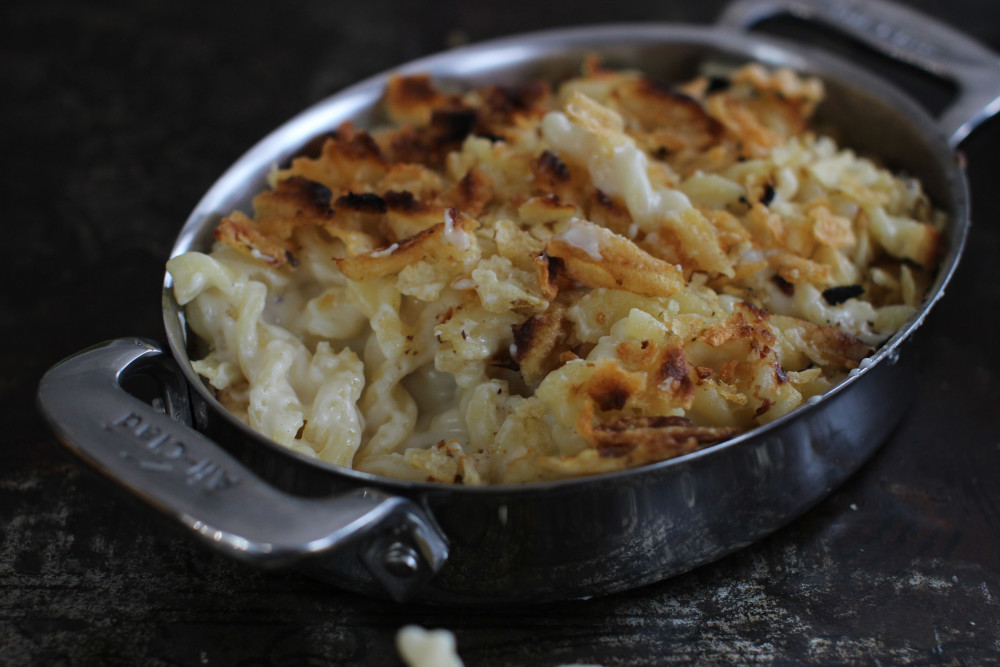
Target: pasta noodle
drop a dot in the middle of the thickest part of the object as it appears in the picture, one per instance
(512, 285)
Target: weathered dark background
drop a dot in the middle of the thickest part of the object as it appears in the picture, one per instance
(116, 116)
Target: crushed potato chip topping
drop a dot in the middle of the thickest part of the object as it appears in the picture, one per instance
(523, 284)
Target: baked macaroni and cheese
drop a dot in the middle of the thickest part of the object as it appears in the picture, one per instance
(510, 285)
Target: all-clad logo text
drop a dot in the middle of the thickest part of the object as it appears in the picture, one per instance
(161, 452)
(889, 31)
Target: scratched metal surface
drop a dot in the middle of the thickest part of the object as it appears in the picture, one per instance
(115, 120)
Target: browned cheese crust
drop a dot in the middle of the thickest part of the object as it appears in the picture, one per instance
(722, 278)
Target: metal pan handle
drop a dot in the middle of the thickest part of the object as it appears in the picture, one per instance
(904, 35)
(188, 477)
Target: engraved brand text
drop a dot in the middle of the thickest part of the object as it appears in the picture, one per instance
(886, 31)
(161, 452)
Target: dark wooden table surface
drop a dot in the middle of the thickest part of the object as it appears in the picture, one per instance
(117, 116)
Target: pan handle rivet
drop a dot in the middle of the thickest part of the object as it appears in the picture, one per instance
(401, 560)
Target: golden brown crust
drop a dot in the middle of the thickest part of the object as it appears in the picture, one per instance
(673, 120)
(293, 203)
(827, 346)
(441, 243)
(642, 440)
(597, 283)
(240, 232)
(412, 99)
(548, 271)
(349, 160)
(538, 344)
(617, 263)
(471, 194)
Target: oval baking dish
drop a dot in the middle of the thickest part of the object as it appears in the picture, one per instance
(264, 504)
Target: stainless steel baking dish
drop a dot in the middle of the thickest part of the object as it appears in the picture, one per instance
(258, 502)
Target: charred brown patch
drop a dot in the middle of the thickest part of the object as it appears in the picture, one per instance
(538, 342)
(647, 439)
(364, 202)
(472, 193)
(677, 121)
(504, 107)
(764, 407)
(403, 202)
(674, 365)
(407, 215)
(787, 288)
(445, 316)
(356, 145)
(509, 100)
(759, 313)
(608, 395)
(428, 144)
(524, 334)
(648, 421)
(412, 99)
(549, 271)
(349, 159)
(606, 391)
(779, 374)
(549, 169)
(417, 88)
(605, 201)
(674, 371)
(503, 359)
(295, 202)
(317, 195)
(451, 126)
(654, 88)
(407, 145)
(292, 199)
(610, 213)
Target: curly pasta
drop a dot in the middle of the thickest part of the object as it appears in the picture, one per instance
(513, 285)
